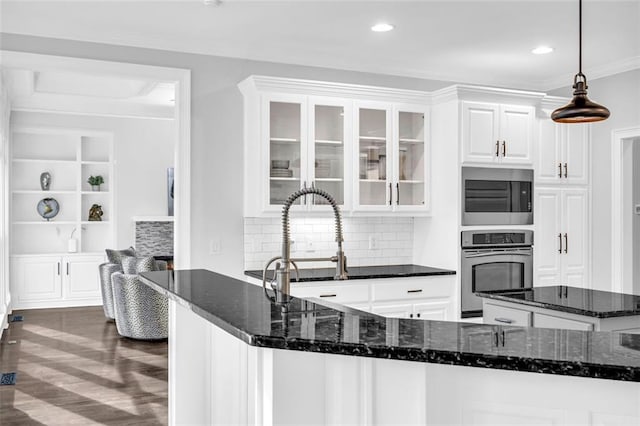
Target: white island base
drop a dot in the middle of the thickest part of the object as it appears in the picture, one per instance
(215, 378)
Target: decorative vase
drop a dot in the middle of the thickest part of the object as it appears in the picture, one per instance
(95, 187)
(45, 181)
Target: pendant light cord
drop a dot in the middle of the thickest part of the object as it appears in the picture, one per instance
(580, 38)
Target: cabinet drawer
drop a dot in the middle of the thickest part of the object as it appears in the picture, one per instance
(334, 293)
(501, 315)
(549, 321)
(398, 289)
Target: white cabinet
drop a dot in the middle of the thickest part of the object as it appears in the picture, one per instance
(562, 154)
(368, 147)
(392, 155)
(561, 237)
(417, 297)
(497, 133)
(351, 294)
(48, 281)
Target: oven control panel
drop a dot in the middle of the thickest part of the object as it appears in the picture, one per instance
(508, 238)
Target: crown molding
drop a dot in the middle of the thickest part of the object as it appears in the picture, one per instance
(326, 88)
(628, 64)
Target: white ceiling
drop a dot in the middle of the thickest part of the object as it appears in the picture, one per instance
(480, 42)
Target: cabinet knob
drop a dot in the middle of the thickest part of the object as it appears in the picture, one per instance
(410, 315)
(418, 314)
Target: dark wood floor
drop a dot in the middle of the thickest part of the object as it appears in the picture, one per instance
(74, 369)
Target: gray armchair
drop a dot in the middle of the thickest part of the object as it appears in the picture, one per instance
(140, 311)
(106, 287)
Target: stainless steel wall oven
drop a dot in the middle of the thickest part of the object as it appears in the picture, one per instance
(492, 196)
(494, 260)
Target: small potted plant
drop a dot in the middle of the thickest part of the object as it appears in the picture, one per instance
(95, 182)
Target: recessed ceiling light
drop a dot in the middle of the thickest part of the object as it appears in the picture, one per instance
(382, 27)
(542, 50)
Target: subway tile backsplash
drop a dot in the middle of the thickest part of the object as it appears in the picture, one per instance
(315, 237)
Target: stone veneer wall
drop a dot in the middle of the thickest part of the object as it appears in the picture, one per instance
(154, 238)
(315, 237)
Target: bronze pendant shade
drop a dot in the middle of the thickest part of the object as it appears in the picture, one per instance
(580, 109)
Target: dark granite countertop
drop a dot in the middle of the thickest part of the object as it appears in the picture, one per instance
(364, 272)
(243, 310)
(573, 300)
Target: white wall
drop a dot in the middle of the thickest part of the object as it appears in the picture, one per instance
(5, 296)
(143, 151)
(216, 130)
(621, 94)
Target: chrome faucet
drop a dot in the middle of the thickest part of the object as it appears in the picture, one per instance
(282, 276)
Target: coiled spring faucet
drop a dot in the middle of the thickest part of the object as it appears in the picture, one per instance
(281, 282)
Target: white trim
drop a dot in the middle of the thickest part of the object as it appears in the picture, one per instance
(617, 258)
(613, 68)
(152, 218)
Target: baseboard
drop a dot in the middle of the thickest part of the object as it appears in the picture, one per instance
(46, 304)
(4, 311)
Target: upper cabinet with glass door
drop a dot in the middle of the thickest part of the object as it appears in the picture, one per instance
(392, 159)
(327, 129)
(365, 146)
(286, 148)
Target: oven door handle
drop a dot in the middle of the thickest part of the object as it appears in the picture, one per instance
(498, 253)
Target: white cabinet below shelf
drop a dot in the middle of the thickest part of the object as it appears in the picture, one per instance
(497, 133)
(50, 281)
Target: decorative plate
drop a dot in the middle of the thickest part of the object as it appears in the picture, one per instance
(48, 208)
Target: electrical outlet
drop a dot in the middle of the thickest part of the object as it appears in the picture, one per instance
(214, 246)
(373, 242)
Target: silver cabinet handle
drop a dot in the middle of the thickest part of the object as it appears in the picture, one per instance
(504, 320)
(58, 268)
(560, 170)
(397, 193)
(566, 243)
(390, 193)
(67, 268)
(560, 240)
(328, 295)
(566, 172)
(497, 148)
(415, 291)
(504, 148)
(304, 186)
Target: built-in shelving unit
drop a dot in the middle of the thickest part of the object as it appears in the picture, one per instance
(41, 250)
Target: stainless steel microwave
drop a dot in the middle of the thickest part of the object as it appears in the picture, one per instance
(492, 196)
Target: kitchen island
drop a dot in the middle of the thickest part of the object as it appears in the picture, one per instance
(236, 357)
(563, 307)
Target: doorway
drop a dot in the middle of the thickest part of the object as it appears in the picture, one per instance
(625, 202)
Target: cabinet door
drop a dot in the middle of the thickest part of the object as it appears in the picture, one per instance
(411, 159)
(404, 310)
(480, 132)
(81, 278)
(548, 237)
(285, 161)
(576, 154)
(35, 279)
(373, 133)
(327, 157)
(575, 238)
(549, 152)
(437, 310)
(516, 134)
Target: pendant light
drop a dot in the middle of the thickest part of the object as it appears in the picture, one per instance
(580, 109)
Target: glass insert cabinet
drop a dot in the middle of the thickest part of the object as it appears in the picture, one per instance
(371, 156)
